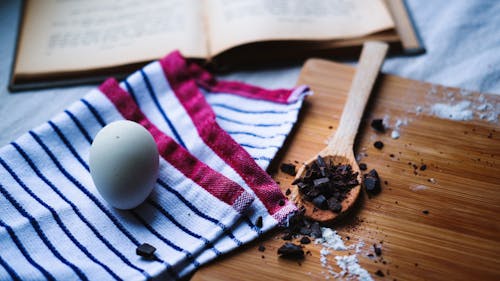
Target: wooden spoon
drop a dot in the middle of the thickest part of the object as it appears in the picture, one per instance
(340, 144)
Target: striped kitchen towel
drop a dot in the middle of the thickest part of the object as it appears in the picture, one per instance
(215, 139)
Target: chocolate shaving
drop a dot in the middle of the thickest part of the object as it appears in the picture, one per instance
(305, 240)
(378, 144)
(258, 222)
(291, 251)
(371, 181)
(378, 125)
(288, 169)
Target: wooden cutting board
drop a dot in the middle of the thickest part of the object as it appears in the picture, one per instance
(441, 223)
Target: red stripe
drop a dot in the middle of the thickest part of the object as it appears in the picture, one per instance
(215, 183)
(177, 72)
(207, 81)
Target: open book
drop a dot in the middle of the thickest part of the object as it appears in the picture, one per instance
(67, 41)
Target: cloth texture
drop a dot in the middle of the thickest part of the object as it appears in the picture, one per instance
(215, 139)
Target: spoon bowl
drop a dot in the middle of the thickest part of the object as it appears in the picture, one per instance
(340, 145)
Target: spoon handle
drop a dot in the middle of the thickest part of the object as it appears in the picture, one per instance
(370, 62)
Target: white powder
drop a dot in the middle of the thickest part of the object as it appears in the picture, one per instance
(351, 268)
(460, 111)
(331, 240)
(348, 264)
(418, 187)
(395, 134)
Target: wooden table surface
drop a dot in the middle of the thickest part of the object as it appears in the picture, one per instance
(458, 235)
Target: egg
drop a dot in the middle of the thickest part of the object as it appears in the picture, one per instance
(124, 163)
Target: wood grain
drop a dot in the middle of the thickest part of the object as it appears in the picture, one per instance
(457, 240)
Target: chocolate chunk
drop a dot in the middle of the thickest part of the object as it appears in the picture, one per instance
(425, 212)
(334, 205)
(378, 144)
(262, 248)
(315, 230)
(423, 167)
(288, 191)
(362, 166)
(378, 250)
(287, 236)
(291, 251)
(378, 125)
(288, 169)
(258, 222)
(145, 250)
(322, 166)
(372, 182)
(305, 230)
(320, 182)
(320, 202)
(379, 273)
(305, 240)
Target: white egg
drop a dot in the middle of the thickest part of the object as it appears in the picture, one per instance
(124, 163)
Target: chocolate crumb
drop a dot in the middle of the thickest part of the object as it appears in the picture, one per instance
(379, 273)
(372, 182)
(288, 169)
(305, 240)
(263, 257)
(281, 202)
(378, 144)
(291, 251)
(330, 127)
(425, 212)
(258, 222)
(378, 125)
(262, 248)
(391, 155)
(362, 166)
(378, 250)
(288, 191)
(423, 167)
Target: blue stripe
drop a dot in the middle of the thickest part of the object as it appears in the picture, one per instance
(12, 273)
(38, 229)
(68, 145)
(259, 147)
(25, 253)
(252, 124)
(59, 221)
(262, 158)
(83, 189)
(130, 91)
(155, 100)
(183, 228)
(94, 112)
(222, 105)
(79, 125)
(254, 135)
(189, 256)
(73, 206)
(198, 212)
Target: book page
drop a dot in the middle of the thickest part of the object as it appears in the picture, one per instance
(69, 35)
(235, 22)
